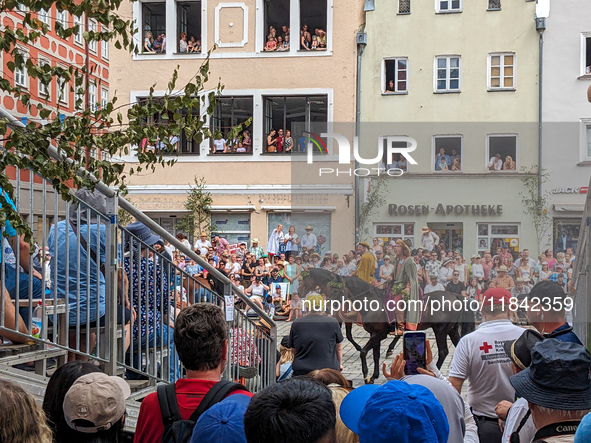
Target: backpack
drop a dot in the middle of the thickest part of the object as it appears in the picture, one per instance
(177, 430)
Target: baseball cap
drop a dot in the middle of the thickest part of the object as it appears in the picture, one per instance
(96, 398)
(497, 295)
(433, 276)
(277, 286)
(224, 421)
(395, 412)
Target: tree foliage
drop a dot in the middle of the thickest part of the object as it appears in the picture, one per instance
(375, 200)
(113, 130)
(198, 205)
(536, 205)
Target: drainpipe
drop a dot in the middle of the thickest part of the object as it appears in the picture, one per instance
(361, 43)
(540, 27)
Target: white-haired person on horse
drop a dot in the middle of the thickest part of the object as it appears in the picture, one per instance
(405, 286)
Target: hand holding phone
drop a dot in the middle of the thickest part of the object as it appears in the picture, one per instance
(414, 351)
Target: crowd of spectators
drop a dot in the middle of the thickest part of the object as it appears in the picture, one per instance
(281, 41)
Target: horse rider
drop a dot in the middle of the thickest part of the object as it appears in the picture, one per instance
(366, 267)
(405, 276)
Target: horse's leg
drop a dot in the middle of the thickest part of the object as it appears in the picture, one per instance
(374, 340)
(454, 334)
(392, 346)
(349, 334)
(376, 362)
(441, 339)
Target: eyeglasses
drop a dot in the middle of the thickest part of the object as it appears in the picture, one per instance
(456, 275)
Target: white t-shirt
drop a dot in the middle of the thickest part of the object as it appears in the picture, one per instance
(432, 288)
(514, 416)
(497, 163)
(443, 274)
(480, 358)
(477, 270)
(531, 263)
(202, 246)
(289, 246)
(219, 145)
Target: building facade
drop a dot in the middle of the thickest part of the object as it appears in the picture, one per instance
(254, 186)
(460, 78)
(566, 139)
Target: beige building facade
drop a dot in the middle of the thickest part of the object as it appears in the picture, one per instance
(295, 89)
(461, 79)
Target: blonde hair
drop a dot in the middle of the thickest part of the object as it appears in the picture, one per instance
(286, 355)
(344, 434)
(21, 420)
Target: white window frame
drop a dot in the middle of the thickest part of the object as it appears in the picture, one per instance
(104, 97)
(62, 17)
(396, 91)
(401, 236)
(44, 17)
(104, 50)
(92, 98)
(438, 9)
(22, 8)
(92, 44)
(40, 93)
(78, 37)
(448, 72)
(63, 95)
(488, 156)
(490, 236)
(584, 36)
(434, 152)
(22, 72)
(585, 141)
(236, 232)
(502, 67)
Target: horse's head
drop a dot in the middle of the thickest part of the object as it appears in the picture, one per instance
(307, 284)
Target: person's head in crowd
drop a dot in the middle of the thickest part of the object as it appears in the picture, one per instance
(200, 338)
(546, 321)
(262, 262)
(433, 279)
(298, 410)
(395, 412)
(556, 384)
(455, 277)
(495, 304)
(59, 383)
(549, 253)
(568, 257)
(344, 434)
(560, 277)
(94, 407)
(21, 420)
(519, 351)
(223, 422)
(330, 376)
(298, 260)
(315, 258)
(315, 304)
(280, 266)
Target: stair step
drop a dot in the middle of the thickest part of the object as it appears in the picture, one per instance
(138, 385)
(36, 355)
(14, 349)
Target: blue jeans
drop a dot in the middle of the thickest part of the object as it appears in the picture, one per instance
(203, 295)
(139, 346)
(23, 290)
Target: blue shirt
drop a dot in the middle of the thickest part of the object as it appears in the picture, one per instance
(78, 271)
(438, 161)
(10, 231)
(193, 270)
(376, 274)
(569, 337)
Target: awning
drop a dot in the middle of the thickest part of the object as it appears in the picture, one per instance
(571, 207)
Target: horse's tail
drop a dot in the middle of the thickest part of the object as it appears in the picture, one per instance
(467, 322)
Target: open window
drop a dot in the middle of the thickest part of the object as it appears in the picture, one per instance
(229, 113)
(293, 117)
(586, 54)
(189, 27)
(313, 20)
(396, 71)
(502, 153)
(153, 28)
(277, 33)
(448, 153)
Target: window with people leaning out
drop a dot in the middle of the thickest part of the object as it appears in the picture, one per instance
(154, 28)
(229, 113)
(189, 27)
(173, 145)
(502, 153)
(290, 121)
(395, 70)
(312, 33)
(448, 153)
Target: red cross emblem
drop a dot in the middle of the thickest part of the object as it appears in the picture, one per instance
(485, 347)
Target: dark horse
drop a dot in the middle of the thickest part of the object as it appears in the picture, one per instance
(445, 322)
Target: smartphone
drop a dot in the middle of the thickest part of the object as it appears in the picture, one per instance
(413, 348)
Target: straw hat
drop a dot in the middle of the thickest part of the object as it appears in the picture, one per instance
(503, 268)
(403, 245)
(309, 228)
(363, 244)
(425, 229)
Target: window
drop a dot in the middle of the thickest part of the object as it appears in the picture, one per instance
(313, 19)
(398, 160)
(189, 24)
(494, 5)
(79, 91)
(78, 38)
(447, 74)
(154, 27)
(228, 113)
(43, 16)
(566, 234)
(104, 98)
(296, 115)
(403, 6)
(22, 8)
(64, 90)
(43, 90)
(448, 153)
(449, 5)
(62, 18)
(92, 26)
(105, 49)
(588, 132)
(586, 54)
(494, 236)
(234, 227)
(392, 232)
(320, 222)
(501, 71)
(92, 102)
(20, 74)
(396, 71)
(502, 153)
(277, 24)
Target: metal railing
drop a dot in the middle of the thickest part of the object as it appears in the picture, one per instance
(117, 313)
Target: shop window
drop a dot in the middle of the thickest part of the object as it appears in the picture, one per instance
(154, 28)
(320, 223)
(448, 153)
(450, 236)
(447, 74)
(492, 237)
(277, 24)
(502, 153)
(234, 227)
(566, 235)
(449, 5)
(395, 73)
(297, 115)
(229, 113)
(386, 233)
(403, 6)
(189, 27)
(313, 20)
(501, 73)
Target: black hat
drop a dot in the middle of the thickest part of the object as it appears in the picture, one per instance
(547, 288)
(558, 376)
(285, 341)
(519, 351)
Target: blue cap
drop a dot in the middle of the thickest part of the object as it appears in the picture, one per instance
(395, 412)
(277, 286)
(583, 434)
(223, 422)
